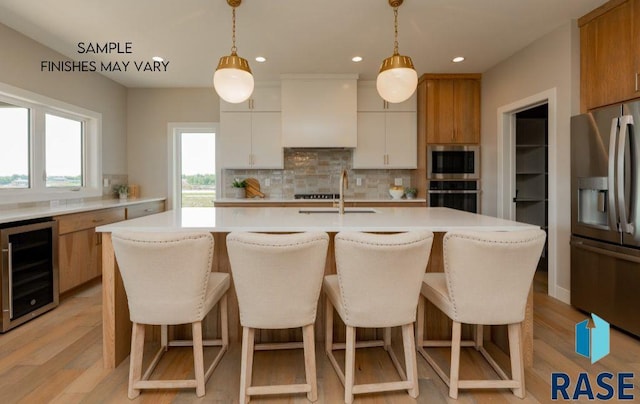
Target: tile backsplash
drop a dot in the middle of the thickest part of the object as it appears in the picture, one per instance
(318, 171)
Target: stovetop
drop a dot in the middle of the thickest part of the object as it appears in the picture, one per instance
(316, 196)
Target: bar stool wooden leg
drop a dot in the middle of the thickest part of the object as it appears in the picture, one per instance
(410, 361)
(224, 321)
(515, 352)
(350, 364)
(387, 338)
(246, 366)
(198, 358)
(310, 361)
(456, 330)
(328, 329)
(420, 321)
(135, 359)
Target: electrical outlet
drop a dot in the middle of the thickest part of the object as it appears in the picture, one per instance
(267, 182)
(397, 182)
(105, 182)
(358, 181)
(54, 204)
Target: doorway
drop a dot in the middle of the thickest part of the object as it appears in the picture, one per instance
(193, 173)
(531, 196)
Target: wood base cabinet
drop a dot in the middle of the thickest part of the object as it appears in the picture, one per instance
(80, 247)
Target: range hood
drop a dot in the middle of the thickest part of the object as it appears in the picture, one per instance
(319, 110)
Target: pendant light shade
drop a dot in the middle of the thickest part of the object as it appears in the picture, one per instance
(397, 79)
(233, 80)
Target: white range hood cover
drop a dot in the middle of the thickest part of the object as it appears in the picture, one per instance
(319, 110)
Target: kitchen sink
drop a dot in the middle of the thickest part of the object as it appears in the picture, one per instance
(335, 210)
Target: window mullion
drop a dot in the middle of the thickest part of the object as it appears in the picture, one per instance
(37, 150)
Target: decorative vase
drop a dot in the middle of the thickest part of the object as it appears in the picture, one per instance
(123, 196)
(239, 193)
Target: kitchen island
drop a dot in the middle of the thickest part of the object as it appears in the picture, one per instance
(221, 221)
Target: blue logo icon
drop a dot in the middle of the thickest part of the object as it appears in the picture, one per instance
(592, 341)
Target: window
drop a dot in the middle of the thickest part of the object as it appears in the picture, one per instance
(14, 146)
(63, 151)
(48, 149)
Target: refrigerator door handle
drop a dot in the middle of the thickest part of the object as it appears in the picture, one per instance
(613, 217)
(602, 251)
(625, 224)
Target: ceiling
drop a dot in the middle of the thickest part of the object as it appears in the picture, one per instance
(296, 36)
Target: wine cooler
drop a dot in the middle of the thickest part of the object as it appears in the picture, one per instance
(29, 271)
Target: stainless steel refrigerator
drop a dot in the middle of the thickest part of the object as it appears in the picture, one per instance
(605, 214)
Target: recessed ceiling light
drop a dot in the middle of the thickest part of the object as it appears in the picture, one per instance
(157, 59)
(261, 59)
(458, 59)
(357, 59)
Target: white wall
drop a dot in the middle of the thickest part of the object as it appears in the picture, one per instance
(148, 113)
(553, 61)
(20, 59)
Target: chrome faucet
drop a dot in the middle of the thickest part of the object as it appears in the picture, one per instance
(344, 183)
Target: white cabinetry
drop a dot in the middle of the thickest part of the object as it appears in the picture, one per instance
(387, 133)
(250, 132)
(319, 110)
(265, 98)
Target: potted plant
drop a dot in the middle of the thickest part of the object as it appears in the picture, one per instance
(239, 188)
(410, 192)
(122, 190)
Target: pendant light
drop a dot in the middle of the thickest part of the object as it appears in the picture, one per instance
(397, 79)
(233, 80)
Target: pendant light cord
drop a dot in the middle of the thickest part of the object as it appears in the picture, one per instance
(395, 42)
(233, 28)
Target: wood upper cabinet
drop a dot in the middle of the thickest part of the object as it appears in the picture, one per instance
(610, 54)
(452, 108)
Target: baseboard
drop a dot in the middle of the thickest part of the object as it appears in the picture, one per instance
(562, 294)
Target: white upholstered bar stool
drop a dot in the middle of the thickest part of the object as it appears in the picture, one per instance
(277, 278)
(486, 280)
(377, 286)
(168, 281)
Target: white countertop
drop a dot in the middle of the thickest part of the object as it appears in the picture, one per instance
(282, 200)
(36, 212)
(263, 219)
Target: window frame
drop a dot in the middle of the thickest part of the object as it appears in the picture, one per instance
(39, 106)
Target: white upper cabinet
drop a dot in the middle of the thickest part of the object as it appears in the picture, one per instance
(250, 132)
(250, 140)
(387, 133)
(319, 110)
(265, 98)
(369, 100)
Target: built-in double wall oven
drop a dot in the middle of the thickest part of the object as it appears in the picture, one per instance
(453, 174)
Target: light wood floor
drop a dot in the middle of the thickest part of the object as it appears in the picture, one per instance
(57, 358)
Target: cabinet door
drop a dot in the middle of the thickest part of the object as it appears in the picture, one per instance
(368, 98)
(401, 139)
(266, 99)
(266, 145)
(234, 144)
(466, 111)
(609, 57)
(440, 111)
(78, 258)
(370, 152)
(263, 99)
(404, 106)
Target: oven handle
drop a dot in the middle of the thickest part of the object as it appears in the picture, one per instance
(449, 191)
